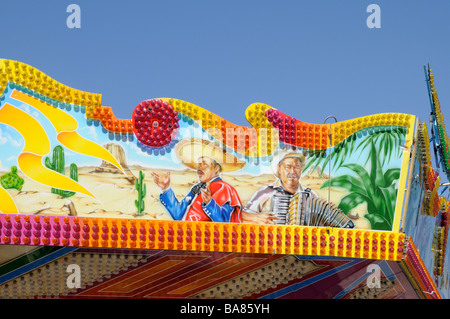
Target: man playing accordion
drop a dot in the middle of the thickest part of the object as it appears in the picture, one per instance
(287, 202)
(284, 194)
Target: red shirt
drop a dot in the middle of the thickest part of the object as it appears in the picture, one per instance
(222, 193)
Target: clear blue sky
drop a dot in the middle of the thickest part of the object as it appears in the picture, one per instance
(309, 59)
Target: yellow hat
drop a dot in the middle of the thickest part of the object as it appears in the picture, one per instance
(282, 154)
(191, 149)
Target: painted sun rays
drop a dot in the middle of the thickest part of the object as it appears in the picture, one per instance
(37, 145)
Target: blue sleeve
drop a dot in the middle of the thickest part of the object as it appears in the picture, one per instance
(175, 208)
(218, 213)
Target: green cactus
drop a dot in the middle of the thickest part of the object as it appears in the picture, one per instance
(12, 180)
(58, 164)
(142, 191)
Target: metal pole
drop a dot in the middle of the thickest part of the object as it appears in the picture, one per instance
(329, 160)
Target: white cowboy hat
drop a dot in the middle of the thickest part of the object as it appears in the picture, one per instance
(282, 154)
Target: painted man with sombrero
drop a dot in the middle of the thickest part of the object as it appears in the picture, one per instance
(211, 199)
(287, 166)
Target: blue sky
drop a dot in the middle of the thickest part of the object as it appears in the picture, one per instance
(310, 59)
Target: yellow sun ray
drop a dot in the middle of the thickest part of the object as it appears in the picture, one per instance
(36, 146)
(66, 126)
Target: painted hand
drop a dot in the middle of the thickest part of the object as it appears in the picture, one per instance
(163, 181)
(266, 218)
(206, 195)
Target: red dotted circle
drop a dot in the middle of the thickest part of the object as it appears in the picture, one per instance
(155, 122)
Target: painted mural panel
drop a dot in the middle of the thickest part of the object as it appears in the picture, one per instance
(62, 153)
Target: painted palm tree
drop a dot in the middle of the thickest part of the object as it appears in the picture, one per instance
(375, 187)
(387, 140)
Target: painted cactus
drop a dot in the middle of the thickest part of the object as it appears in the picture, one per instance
(12, 180)
(142, 191)
(58, 164)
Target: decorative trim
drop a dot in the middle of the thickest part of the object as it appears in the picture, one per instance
(18, 229)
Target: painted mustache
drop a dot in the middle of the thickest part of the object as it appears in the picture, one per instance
(292, 176)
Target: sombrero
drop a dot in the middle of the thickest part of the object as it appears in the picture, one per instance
(281, 154)
(191, 149)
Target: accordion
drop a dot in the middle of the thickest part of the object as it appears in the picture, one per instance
(304, 209)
